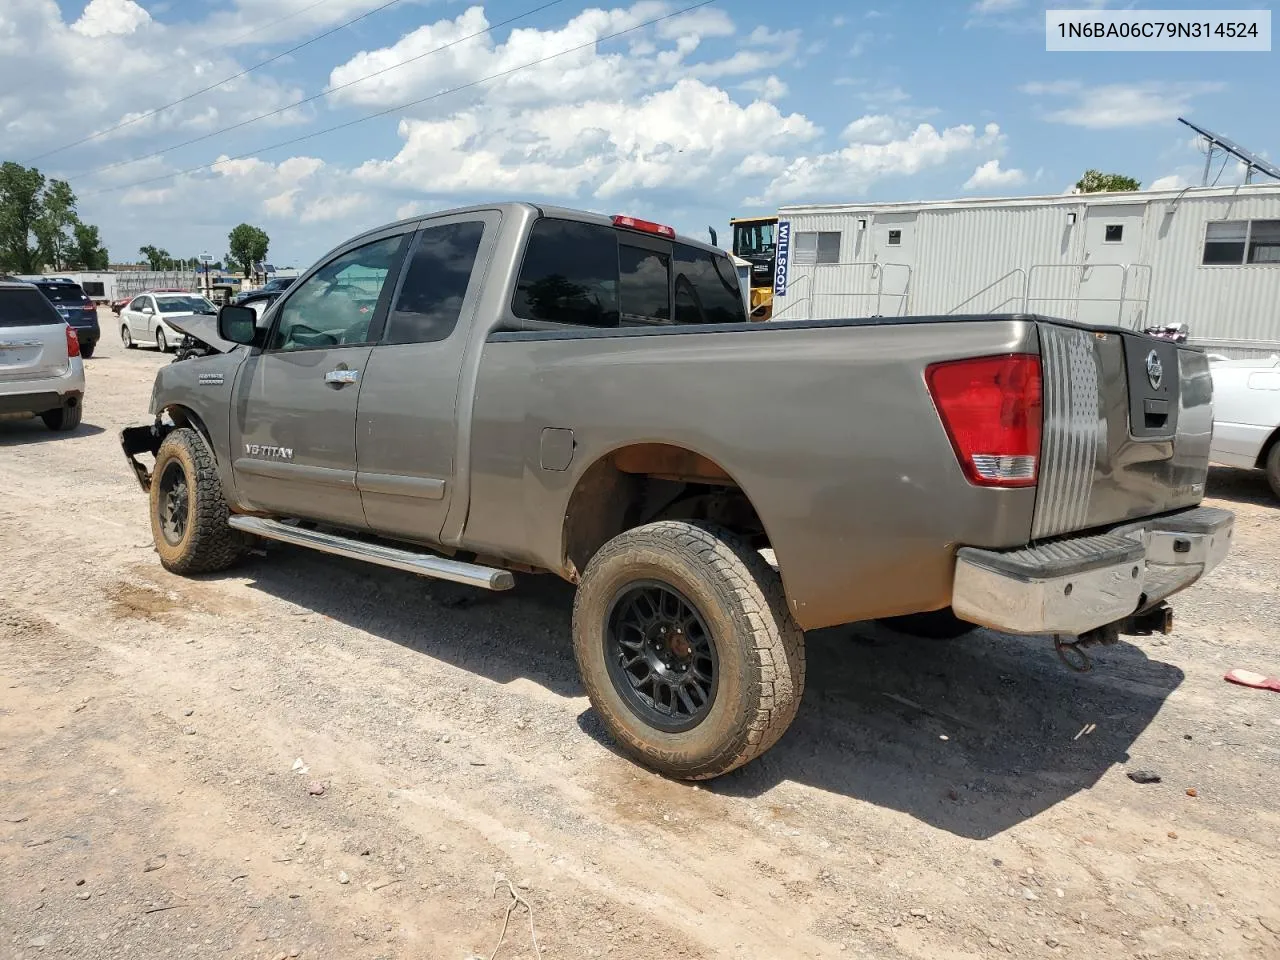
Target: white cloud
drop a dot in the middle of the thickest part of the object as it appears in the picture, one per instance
(874, 128)
(856, 166)
(704, 22)
(983, 7)
(1173, 181)
(1110, 106)
(767, 88)
(989, 176)
(110, 18)
(681, 137)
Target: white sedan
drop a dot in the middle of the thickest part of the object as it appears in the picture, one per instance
(142, 321)
(1246, 415)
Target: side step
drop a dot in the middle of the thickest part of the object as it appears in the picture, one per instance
(423, 564)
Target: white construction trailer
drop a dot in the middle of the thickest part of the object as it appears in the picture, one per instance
(1207, 257)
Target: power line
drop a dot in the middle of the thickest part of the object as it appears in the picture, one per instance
(403, 106)
(318, 96)
(213, 86)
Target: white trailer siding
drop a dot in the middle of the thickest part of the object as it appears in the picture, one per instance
(1133, 259)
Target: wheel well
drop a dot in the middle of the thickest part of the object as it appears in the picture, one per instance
(645, 482)
(1266, 449)
(186, 417)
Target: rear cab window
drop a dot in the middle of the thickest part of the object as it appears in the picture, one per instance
(26, 307)
(585, 274)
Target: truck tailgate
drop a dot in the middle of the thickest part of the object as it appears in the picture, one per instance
(1127, 424)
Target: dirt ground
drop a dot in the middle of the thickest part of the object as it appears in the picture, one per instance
(159, 739)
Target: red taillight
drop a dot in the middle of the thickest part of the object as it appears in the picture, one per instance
(992, 409)
(644, 226)
(73, 343)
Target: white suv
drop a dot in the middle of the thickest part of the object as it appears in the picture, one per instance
(41, 373)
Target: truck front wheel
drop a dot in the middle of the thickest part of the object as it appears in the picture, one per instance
(188, 511)
(687, 648)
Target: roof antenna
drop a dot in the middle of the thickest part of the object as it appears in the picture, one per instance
(712, 231)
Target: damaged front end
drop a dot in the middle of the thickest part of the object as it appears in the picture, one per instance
(139, 440)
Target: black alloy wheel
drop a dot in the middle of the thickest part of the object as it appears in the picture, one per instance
(175, 503)
(661, 656)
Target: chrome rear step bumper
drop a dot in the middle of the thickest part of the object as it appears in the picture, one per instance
(423, 564)
(1074, 585)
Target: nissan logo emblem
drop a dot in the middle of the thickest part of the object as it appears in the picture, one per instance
(1155, 370)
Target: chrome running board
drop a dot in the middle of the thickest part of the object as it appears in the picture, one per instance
(423, 564)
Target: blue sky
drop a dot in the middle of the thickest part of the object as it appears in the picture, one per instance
(736, 107)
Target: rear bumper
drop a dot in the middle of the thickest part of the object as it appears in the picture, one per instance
(1074, 585)
(39, 395)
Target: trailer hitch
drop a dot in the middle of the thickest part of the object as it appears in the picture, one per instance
(1159, 619)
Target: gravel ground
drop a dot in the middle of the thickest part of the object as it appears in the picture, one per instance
(312, 757)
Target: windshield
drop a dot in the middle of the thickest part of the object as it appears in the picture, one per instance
(754, 239)
(185, 305)
(63, 292)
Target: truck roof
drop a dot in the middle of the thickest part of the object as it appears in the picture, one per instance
(539, 209)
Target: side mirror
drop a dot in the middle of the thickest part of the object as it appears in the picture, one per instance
(237, 324)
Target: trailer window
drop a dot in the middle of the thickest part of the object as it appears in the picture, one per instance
(816, 247)
(1224, 241)
(1264, 241)
(1114, 233)
(895, 238)
(569, 274)
(706, 288)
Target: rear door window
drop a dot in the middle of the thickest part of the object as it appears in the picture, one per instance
(706, 288)
(436, 283)
(25, 307)
(569, 274)
(644, 285)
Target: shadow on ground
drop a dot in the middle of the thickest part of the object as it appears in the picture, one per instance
(18, 432)
(1242, 486)
(971, 736)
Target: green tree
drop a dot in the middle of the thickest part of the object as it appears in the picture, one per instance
(87, 252)
(21, 201)
(55, 223)
(157, 258)
(1095, 181)
(248, 246)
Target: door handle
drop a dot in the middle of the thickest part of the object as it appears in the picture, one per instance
(339, 378)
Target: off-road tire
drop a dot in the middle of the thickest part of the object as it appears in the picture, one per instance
(760, 647)
(1272, 467)
(63, 419)
(162, 341)
(86, 350)
(126, 337)
(208, 543)
(934, 625)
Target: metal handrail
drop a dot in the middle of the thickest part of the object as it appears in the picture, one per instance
(994, 283)
(1075, 297)
(878, 268)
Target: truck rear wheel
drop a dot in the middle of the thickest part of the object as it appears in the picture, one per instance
(188, 511)
(687, 648)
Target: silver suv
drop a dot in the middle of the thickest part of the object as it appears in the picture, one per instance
(41, 373)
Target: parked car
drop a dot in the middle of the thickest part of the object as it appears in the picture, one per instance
(143, 320)
(276, 285)
(75, 307)
(1246, 416)
(41, 372)
(258, 300)
(537, 389)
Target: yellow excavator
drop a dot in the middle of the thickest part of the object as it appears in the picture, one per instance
(755, 240)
